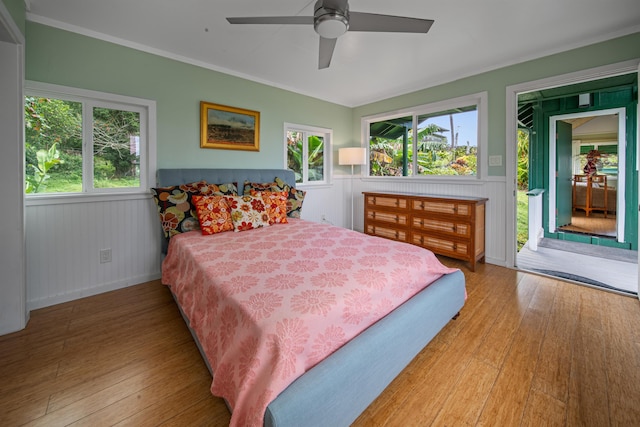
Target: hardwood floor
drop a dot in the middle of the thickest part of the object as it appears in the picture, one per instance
(525, 351)
(595, 223)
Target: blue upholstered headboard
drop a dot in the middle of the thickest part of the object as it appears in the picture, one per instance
(165, 177)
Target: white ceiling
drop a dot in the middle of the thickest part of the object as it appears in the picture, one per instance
(468, 37)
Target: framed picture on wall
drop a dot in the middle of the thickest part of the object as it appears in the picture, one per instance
(229, 128)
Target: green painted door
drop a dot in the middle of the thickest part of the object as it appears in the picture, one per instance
(564, 173)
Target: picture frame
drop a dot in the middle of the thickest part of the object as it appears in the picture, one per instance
(229, 128)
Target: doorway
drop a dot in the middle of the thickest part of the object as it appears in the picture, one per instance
(534, 104)
(587, 187)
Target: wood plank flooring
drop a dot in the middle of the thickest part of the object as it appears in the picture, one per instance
(526, 350)
(595, 223)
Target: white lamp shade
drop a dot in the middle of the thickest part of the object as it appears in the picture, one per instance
(352, 156)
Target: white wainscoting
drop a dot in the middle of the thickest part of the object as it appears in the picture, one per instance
(63, 243)
(334, 203)
(328, 203)
(493, 189)
(63, 240)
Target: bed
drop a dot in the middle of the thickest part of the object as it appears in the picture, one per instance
(335, 388)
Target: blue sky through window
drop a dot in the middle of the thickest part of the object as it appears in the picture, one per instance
(466, 124)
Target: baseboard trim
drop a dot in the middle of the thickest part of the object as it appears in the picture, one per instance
(94, 290)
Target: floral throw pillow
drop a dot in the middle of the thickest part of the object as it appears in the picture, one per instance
(175, 208)
(276, 205)
(294, 199)
(247, 212)
(214, 214)
(227, 189)
(257, 186)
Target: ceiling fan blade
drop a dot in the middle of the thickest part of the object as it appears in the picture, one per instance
(296, 20)
(359, 21)
(326, 52)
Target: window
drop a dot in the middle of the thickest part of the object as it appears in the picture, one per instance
(307, 151)
(606, 158)
(80, 141)
(446, 138)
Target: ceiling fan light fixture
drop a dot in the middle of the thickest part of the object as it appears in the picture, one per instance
(331, 19)
(331, 25)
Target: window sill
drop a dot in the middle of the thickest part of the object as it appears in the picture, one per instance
(466, 180)
(308, 186)
(60, 199)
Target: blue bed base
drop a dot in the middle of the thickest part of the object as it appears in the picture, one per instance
(338, 389)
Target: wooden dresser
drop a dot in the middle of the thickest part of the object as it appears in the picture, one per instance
(449, 226)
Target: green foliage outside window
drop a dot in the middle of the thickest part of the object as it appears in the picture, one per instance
(38, 175)
(391, 144)
(386, 159)
(315, 155)
(522, 179)
(54, 128)
(523, 160)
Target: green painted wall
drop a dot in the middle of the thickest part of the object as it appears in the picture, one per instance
(495, 83)
(17, 10)
(61, 57)
(619, 97)
(69, 59)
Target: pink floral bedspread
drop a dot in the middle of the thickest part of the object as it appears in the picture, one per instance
(268, 304)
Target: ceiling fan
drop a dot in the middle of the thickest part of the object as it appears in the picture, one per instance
(332, 18)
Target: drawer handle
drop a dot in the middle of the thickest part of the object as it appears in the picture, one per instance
(455, 209)
(422, 240)
(455, 247)
(397, 203)
(422, 223)
(397, 219)
(421, 205)
(397, 235)
(373, 215)
(454, 228)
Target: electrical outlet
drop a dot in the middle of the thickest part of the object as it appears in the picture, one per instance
(324, 220)
(495, 160)
(105, 255)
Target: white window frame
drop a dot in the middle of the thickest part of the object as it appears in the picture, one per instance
(477, 99)
(90, 99)
(327, 135)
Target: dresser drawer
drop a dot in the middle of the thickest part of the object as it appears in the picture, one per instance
(387, 232)
(442, 226)
(440, 245)
(442, 207)
(388, 217)
(450, 226)
(386, 202)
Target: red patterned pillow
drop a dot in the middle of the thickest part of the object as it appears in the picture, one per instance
(214, 214)
(247, 212)
(276, 204)
(175, 206)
